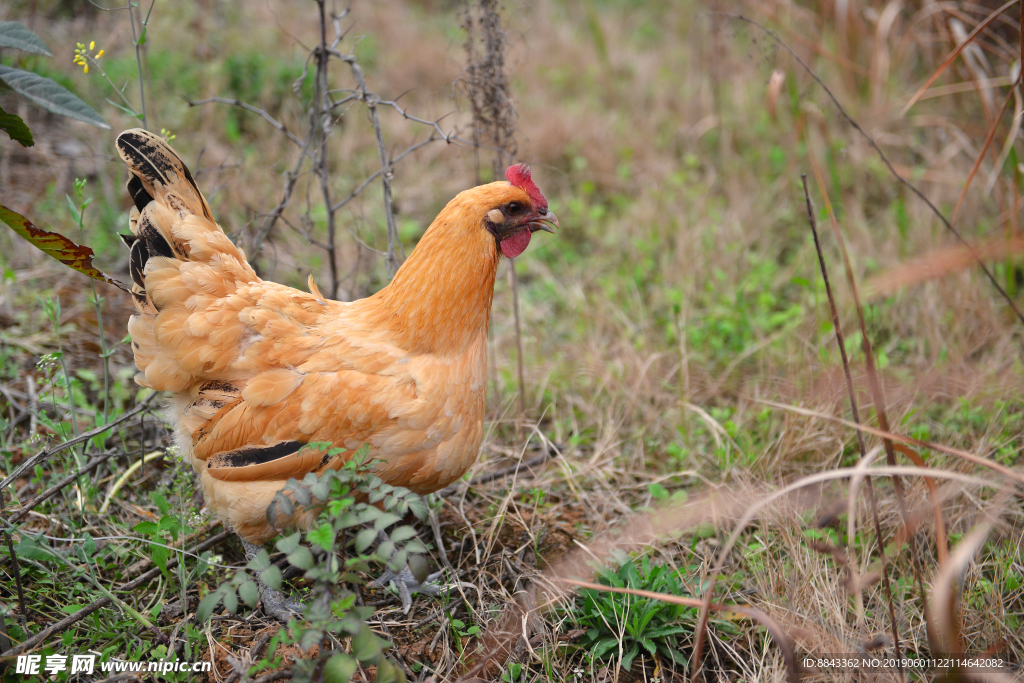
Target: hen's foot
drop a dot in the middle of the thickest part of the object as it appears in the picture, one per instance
(275, 604)
(406, 583)
(278, 605)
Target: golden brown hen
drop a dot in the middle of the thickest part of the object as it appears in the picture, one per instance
(256, 369)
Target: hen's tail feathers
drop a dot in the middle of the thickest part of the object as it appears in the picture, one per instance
(183, 267)
(171, 217)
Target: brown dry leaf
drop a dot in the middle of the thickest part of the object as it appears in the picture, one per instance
(74, 256)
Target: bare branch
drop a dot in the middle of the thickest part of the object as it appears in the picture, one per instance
(248, 107)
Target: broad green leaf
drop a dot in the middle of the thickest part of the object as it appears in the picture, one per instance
(402, 533)
(271, 577)
(230, 601)
(386, 519)
(364, 539)
(206, 606)
(17, 35)
(627, 658)
(366, 646)
(260, 562)
(303, 496)
(301, 558)
(148, 528)
(389, 673)
(310, 637)
(339, 669)
(288, 544)
(16, 128)
(657, 491)
(56, 245)
(602, 647)
(322, 536)
(160, 500)
(249, 592)
(50, 95)
(30, 549)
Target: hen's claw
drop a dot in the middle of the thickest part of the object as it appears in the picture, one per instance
(278, 606)
(406, 584)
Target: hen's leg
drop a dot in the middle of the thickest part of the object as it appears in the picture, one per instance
(274, 603)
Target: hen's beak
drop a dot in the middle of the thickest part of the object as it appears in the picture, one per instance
(545, 221)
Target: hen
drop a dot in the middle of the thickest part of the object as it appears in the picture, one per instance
(256, 369)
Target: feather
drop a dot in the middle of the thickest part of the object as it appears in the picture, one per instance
(258, 369)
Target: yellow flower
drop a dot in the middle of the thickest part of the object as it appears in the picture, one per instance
(92, 44)
(86, 68)
(99, 54)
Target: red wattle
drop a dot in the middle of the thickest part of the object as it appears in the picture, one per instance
(515, 244)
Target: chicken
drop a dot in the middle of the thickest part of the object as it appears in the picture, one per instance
(256, 369)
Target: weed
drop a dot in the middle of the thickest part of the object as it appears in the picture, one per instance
(619, 626)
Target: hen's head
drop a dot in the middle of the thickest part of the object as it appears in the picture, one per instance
(516, 211)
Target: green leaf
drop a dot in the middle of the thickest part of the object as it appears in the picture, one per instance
(160, 555)
(657, 491)
(16, 128)
(364, 539)
(288, 544)
(602, 646)
(301, 558)
(385, 519)
(322, 536)
(339, 669)
(17, 35)
(627, 658)
(51, 96)
(31, 549)
(160, 500)
(230, 601)
(320, 490)
(402, 533)
(249, 592)
(206, 606)
(271, 577)
(148, 528)
(366, 646)
(56, 245)
(303, 496)
(260, 562)
(389, 673)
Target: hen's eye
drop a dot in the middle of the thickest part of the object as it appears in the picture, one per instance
(514, 208)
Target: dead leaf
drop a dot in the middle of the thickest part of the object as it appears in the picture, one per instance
(74, 256)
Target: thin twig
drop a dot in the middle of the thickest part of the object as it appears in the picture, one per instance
(255, 110)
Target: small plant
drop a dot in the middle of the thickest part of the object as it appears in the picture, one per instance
(620, 625)
(340, 546)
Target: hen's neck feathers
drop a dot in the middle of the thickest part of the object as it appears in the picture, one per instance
(440, 299)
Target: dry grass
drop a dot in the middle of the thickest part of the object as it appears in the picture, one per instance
(681, 291)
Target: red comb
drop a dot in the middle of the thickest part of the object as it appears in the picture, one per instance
(519, 175)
